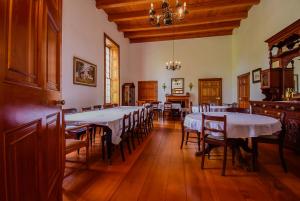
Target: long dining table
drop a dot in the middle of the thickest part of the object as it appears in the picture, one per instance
(239, 125)
(110, 119)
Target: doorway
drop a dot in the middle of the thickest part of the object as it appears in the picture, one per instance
(210, 91)
(244, 90)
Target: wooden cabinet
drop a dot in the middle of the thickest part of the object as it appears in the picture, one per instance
(128, 94)
(274, 109)
(31, 136)
(147, 91)
(210, 91)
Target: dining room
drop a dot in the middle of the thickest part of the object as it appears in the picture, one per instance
(149, 100)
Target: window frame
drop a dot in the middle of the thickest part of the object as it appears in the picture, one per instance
(119, 58)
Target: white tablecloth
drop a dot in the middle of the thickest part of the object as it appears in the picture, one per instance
(176, 106)
(214, 108)
(239, 125)
(111, 118)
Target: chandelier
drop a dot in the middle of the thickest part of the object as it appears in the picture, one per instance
(166, 15)
(173, 65)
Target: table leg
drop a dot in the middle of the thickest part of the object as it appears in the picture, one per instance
(108, 146)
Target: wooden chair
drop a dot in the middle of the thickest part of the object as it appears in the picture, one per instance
(70, 111)
(135, 127)
(97, 107)
(236, 109)
(150, 118)
(126, 133)
(72, 145)
(86, 109)
(142, 126)
(210, 139)
(108, 105)
(204, 107)
(167, 109)
(156, 110)
(276, 138)
(187, 131)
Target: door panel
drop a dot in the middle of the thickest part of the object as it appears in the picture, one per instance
(30, 121)
(210, 91)
(147, 91)
(244, 90)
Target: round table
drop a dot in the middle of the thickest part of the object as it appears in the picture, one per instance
(239, 125)
(213, 108)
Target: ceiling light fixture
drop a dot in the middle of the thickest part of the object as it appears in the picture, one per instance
(173, 65)
(166, 15)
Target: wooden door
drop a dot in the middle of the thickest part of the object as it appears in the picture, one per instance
(31, 139)
(244, 90)
(147, 91)
(210, 91)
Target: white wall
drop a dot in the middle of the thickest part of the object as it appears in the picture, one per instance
(201, 58)
(249, 49)
(83, 36)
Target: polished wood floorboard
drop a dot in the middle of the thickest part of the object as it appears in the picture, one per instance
(159, 171)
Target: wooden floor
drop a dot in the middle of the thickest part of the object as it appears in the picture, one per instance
(159, 171)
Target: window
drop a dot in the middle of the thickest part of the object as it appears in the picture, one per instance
(111, 71)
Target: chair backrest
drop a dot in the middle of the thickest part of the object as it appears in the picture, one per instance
(126, 123)
(85, 109)
(107, 105)
(155, 104)
(97, 107)
(142, 115)
(135, 119)
(204, 107)
(216, 119)
(167, 106)
(237, 109)
(69, 111)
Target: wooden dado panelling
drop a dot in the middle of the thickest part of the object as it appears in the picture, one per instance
(147, 91)
(21, 44)
(22, 155)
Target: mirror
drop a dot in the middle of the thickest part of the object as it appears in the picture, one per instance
(296, 64)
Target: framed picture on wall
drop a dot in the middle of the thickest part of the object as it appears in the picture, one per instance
(256, 75)
(84, 72)
(177, 85)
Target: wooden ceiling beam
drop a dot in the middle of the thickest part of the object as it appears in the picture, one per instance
(193, 8)
(193, 21)
(103, 4)
(184, 30)
(184, 36)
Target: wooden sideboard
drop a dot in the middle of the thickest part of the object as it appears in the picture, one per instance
(183, 100)
(292, 110)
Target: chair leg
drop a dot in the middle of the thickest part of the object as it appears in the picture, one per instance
(122, 151)
(203, 154)
(224, 160)
(254, 154)
(198, 141)
(233, 155)
(103, 147)
(87, 156)
(187, 138)
(182, 138)
(132, 139)
(128, 144)
(281, 154)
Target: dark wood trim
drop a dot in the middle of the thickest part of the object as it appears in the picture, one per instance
(119, 62)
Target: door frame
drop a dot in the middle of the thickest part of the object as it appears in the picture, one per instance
(238, 86)
(210, 79)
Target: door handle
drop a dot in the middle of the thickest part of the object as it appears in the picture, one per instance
(218, 98)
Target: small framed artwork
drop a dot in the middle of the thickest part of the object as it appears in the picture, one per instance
(177, 85)
(256, 75)
(84, 72)
(296, 83)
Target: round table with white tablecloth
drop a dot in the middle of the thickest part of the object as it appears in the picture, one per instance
(213, 108)
(239, 125)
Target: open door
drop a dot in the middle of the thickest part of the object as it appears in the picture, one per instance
(244, 90)
(31, 139)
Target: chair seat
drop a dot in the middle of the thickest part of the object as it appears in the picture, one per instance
(73, 144)
(213, 137)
